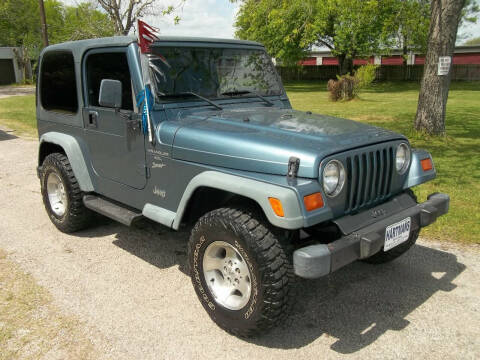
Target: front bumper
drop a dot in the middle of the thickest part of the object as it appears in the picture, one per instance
(364, 234)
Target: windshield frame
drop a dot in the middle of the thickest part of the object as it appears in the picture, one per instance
(219, 44)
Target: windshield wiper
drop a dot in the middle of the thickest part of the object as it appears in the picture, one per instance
(193, 94)
(241, 92)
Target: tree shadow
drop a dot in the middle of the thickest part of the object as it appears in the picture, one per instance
(355, 305)
(377, 87)
(154, 243)
(5, 135)
(359, 303)
(307, 86)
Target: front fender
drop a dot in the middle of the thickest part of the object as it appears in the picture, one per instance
(256, 190)
(75, 155)
(416, 175)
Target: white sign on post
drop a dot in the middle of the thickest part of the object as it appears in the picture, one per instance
(444, 65)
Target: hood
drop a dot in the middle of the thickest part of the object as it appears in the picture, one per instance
(263, 139)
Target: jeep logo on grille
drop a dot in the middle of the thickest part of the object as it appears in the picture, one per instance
(378, 212)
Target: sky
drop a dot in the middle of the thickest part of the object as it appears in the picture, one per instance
(215, 18)
(208, 18)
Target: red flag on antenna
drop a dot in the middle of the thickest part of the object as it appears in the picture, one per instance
(146, 36)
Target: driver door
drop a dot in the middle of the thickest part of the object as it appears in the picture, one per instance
(114, 137)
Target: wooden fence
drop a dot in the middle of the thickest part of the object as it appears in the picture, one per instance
(470, 72)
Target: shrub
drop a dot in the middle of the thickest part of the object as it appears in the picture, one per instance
(344, 88)
(365, 76)
(332, 87)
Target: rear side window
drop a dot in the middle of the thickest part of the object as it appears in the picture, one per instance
(58, 90)
(112, 66)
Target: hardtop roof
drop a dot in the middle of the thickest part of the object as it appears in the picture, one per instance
(186, 39)
(80, 46)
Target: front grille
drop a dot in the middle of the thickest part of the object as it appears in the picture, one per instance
(369, 177)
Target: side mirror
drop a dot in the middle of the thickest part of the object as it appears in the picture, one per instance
(110, 94)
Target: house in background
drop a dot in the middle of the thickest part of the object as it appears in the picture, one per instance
(463, 55)
(10, 71)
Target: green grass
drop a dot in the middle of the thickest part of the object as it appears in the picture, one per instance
(456, 156)
(392, 106)
(18, 113)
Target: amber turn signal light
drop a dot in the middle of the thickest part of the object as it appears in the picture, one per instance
(426, 164)
(276, 206)
(313, 201)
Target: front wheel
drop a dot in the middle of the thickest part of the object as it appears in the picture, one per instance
(240, 271)
(62, 196)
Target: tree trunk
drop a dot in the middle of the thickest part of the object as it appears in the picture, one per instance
(43, 22)
(432, 101)
(23, 62)
(405, 68)
(345, 64)
(125, 16)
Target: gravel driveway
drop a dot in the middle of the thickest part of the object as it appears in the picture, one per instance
(7, 91)
(127, 284)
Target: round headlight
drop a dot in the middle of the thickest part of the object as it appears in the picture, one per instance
(402, 158)
(333, 178)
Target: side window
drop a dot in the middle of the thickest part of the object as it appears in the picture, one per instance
(108, 66)
(58, 90)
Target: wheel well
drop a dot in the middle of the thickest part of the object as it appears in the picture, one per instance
(206, 199)
(46, 149)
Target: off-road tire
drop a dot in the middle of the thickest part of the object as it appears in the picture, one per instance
(387, 256)
(271, 272)
(76, 216)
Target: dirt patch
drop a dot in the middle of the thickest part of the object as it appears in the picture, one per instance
(7, 91)
(373, 118)
(31, 327)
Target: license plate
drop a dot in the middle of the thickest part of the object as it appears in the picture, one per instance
(397, 233)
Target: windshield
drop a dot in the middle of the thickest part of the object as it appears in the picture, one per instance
(213, 73)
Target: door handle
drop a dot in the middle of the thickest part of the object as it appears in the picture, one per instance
(133, 122)
(93, 119)
(133, 125)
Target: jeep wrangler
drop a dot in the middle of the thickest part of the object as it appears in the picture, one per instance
(270, 192)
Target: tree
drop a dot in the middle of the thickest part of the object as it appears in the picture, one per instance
(409, 23)
(349, 28)
(279, 25)
(84, 22)
(473, 41)
(432, 101)
(20, 25)
(125, 14)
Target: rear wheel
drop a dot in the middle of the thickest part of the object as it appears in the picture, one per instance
(240, 271)
(62, 196)
(387, 256)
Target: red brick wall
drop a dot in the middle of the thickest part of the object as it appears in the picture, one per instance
(419, 60)
(311, 61)
(392, 60)
(370, 60)
(473, 58)
(330, 61)
(460, 59)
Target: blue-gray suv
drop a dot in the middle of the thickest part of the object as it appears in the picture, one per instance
(213, 143)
